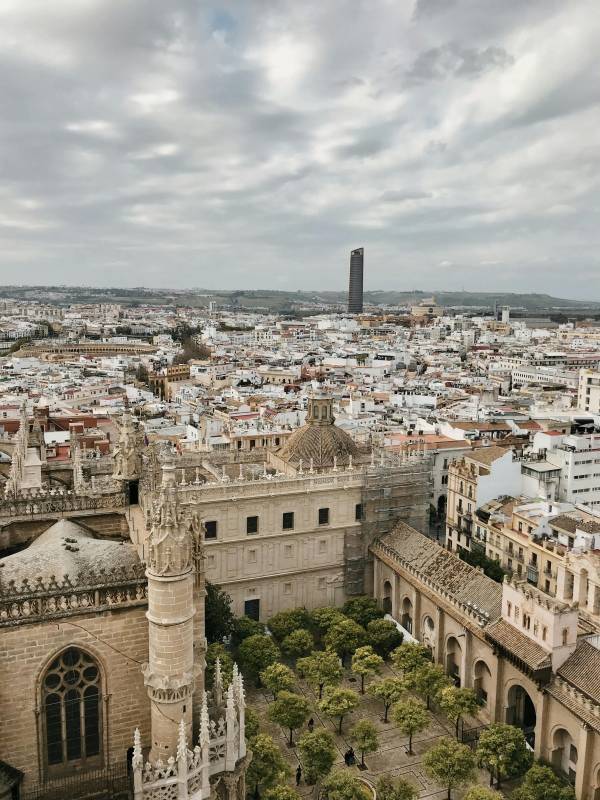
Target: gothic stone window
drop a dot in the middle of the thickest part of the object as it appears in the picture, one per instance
(71, 695)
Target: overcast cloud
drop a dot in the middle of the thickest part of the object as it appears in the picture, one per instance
(189, 143)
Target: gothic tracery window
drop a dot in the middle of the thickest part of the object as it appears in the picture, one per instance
(71, 694)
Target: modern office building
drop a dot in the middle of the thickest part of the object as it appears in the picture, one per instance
(355, 291)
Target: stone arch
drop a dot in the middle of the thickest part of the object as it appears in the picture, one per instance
(454, 658)
(406, 614)
(521, 711)
(71, 691)
(564, 752)
(428, 632)
(595, 793)
(482, 680)
(386, 601)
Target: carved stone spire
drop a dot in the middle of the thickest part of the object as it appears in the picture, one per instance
(19, 454)
(128, 450)
(170, 541)
(78, 480)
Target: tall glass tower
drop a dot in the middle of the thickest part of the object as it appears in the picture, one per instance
(355, 291)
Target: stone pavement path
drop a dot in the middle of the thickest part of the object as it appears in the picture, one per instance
(391, 757)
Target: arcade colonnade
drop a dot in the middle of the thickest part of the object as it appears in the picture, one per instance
(508, 694)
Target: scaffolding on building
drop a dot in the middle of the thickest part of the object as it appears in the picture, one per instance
(397, 488)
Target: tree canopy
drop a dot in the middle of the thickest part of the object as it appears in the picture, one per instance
(502, 750)
(277, 678)
(243, 627)
(410, 655)
(341, 785)
(455, 702)
(383, 636)
(344, 637)
(321, 668)
(479, 792)
(410, 716)
(364, 736)
(268, 766)
(285, 622)
(318, 753)
(365, 662)
(282, 792)
(298, 643)
(541, 783)
(428, 680)
(290, 711)
(389, 788)
(338, 703)
(362, 609)
(218, 616)
(252, 723)
(389, 691)
(321, 619)
(450, 764)
(257, 652)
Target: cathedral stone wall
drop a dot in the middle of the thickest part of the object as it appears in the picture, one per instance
(27, 650)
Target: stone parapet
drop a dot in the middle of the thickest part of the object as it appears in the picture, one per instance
(93, 591)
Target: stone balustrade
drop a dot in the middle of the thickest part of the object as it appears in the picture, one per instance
(93, 591)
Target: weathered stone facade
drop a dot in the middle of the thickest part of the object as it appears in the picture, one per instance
(538, 681)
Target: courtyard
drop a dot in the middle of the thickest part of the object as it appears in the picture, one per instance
(391, 757)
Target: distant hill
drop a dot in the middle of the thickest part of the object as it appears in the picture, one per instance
(274, 300)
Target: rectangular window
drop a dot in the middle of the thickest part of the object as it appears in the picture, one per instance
(322, 583)
(252, 556)
(287, 522)
(251, 525)
(287, 551)
(287, 588)
(323, 516)
(323, 546)
(358, 511)
(210, 529)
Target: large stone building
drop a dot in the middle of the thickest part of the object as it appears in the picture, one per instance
(533, 659)
(101, 636)
(102, 596)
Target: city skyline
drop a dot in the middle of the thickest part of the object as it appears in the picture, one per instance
(243, 146)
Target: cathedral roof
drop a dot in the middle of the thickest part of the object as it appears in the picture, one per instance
(66, 549)
(320, 441)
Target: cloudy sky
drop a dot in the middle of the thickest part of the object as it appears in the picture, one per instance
(253, 143)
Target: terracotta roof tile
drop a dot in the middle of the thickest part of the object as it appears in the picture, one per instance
(464, 583)
(487, 455)
(582, 670)
(511, 639)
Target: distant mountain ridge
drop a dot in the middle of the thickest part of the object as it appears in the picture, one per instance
(275, 300)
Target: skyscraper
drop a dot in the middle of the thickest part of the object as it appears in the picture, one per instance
(355, 291)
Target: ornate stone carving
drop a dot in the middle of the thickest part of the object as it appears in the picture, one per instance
(128, 450)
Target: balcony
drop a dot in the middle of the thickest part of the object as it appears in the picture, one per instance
(532, 574)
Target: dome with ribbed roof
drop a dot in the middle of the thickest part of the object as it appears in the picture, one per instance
(319, 441)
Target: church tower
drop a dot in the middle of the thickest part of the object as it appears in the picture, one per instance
(174, 674)
(169, 674)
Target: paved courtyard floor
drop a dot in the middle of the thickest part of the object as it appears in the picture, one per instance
(391, 757)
